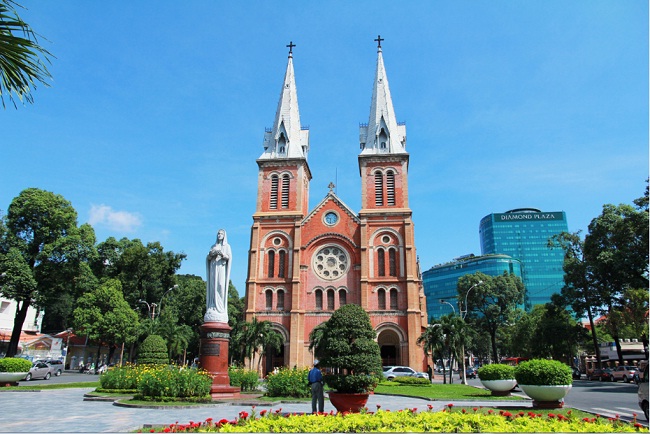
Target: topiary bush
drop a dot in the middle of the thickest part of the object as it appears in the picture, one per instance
(347, 346)
(288, 382)
(246, 379)
(153, 351)
(496, 371)
(14, 364)
(540, 372)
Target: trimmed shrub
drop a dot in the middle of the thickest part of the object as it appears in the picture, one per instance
(347, 346)
(412, 381)
(14, 364)
(153, 351)
(121, 377)
(173, 382)
(540, 372)
(496, 371)
(288, 382)
(246, 379)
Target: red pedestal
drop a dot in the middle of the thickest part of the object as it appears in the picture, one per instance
(213, 357)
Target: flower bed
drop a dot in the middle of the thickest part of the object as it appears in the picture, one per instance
(409, 420)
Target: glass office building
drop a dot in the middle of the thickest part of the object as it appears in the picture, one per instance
(440, 282)
(523, 234)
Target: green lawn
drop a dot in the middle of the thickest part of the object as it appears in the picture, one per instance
(440, 392)
(93, 384)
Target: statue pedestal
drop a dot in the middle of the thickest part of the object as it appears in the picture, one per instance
(214, 359)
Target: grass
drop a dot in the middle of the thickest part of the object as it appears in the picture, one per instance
(440, 392)
(83, 384)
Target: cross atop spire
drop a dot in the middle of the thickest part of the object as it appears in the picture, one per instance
(378, 41)
(331, 186)
(290, 46)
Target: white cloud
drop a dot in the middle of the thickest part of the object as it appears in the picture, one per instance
(122, 221)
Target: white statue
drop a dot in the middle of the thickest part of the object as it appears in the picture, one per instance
(217, 266)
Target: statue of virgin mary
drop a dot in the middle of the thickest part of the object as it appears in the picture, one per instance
(217, 266)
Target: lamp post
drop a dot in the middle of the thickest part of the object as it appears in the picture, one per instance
(443, 301)
(149, 306)
(463, 314)
(161, 299)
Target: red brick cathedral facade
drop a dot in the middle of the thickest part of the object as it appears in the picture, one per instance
(304, 264)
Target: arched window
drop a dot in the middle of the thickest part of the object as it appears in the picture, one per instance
(271, 263)
(280, 304)
(269, 299)
(390, 188)
(282, 259)
(381, 299)
(393, 299)
(392, 265)
(285, 191)
(330, 299)
(379, 189)
(319, 299)
(343, 297)
(273, 204)
(381, 263)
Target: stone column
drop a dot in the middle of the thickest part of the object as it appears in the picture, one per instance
(213, 357)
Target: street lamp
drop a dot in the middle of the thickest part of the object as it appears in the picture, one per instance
(152, 306)
(163, 296)
(463, 313)
(443, 301)
(149, 306)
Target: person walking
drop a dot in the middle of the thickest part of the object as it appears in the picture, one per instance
(315, 379)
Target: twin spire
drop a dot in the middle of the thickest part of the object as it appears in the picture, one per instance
(381, 135)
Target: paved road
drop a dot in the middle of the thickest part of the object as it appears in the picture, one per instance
(66, 411)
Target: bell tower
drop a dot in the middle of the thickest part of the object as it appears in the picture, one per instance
(390, 275)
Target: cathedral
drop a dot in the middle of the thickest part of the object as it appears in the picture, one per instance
(304, 264)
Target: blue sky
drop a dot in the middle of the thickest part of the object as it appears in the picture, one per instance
(157, 111)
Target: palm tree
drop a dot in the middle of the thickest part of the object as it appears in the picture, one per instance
(432, 341)
(256, 337)
(21, 57)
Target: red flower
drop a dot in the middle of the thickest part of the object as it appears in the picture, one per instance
(585, 419)
(243, 415)
(463, 411)
(223, 421)
(490, 411)
(414, 410)
(262, 413)
(551, 415)
(507, 414)
(638, 425)
(430, 406)
(475, 409)
(568, 412)
(152, 430)
(378, 406)
(167, 429)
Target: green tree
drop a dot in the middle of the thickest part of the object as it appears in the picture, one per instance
(105, 317)
(492, 302)
(146, 272)
(41, 231)
(432, 342)
(22, 59)
(255, 337)
(579, 287)
(616, 249)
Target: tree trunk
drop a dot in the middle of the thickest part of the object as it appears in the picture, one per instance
(493, 340)
(19, 320)
(444, 370)
(99, 349)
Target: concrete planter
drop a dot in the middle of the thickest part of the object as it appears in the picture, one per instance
(11, 378)
(499, 387)
(546, 396)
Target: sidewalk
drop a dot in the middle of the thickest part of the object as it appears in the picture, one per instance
(64, 410)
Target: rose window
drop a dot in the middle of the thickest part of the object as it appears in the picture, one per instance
(330, 263)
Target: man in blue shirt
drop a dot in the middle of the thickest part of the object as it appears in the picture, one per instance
(315, 379)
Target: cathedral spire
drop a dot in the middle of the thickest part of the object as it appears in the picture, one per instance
(287, 139)
(383, 134)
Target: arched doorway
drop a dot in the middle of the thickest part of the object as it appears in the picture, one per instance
(389, 346)
(272, 358)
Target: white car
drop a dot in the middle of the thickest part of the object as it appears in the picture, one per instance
(39, 370)
(391, 372)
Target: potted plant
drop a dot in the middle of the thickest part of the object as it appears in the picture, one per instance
(498, 378)
(346, 347)
(547, 382)
(12, 370)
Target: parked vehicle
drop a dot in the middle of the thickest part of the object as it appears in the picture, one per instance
(56, 366)
(604, 374)
(39, 370)
(625, 373)
(391, 372)
(469, 373)
(643, 388)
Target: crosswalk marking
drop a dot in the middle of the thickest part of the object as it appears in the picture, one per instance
(612, 413)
